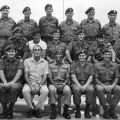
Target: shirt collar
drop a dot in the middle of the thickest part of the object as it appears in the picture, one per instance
(26, 20)
(115, 24)
(56, 42)
(90, 21)
(108, 65)
(5, 19)
(69, 21)
(33, 60)
(56, 62)
(83, 64)
(11, 60)
(49, 17)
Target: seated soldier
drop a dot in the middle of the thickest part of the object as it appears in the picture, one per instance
(106, 78)
(11, 69)
(59, 74)
(82, 75)
(36, 70)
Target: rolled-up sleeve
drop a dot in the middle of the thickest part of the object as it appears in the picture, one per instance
(46, 68)
(26, 68)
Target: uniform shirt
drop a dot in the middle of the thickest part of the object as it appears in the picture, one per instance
(106, 74)
(36, 69)
(20, 44)
(91, 28)
(82, 72)
(27, 26)
(69, 30)
(10, 68)
(60, 73)
(53, 47)
(76, 46)
(113, 32)
(6, 27)
(48, 25)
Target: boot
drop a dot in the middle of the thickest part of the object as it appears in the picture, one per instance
(77, 114)
(87, 111)
(53, 111)
(4, 113)
(106, 112)
(10, 111)
(65, 113)
(112, 113)
(38, 113)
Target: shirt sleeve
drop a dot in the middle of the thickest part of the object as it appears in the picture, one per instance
(68, 72)
(26, 68)
(44, 46)
(73, 69)
(117, 75)
(46, 68)
(20, 64)
(1, 65)
(92, 70)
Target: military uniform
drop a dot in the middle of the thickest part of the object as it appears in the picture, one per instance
(47, 24)
(19, 43)
(82, 74)
(106, 73)
(27, 25)
(53, 47)
(10, 93)
(6, 25)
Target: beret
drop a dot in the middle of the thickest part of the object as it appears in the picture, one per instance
(112, 12)
(26, 9)
(106, 50)
(48, 5)
(69, 10)
(10, 47)
(4, 7)
(89, 10)
(17, 29)
(81, 52)
(80, 31)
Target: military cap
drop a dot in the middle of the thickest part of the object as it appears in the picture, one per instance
(36, 31)
(48, 5)
(106, 50)
(80, 31)
(81, 52)
(4, 7)
(26, 9)
(112, 12)
(69, 10)
(89, 10)
(10, 47)
(59, 51)
(16, 29)
(57, 30)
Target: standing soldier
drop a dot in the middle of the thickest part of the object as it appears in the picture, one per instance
(48, 24)
(59, 74)
(7, 25)
(27, 25)
(82, 75)
(68, 27)
(11, 69)
(112, 29)
(106, 77)
(19, 41)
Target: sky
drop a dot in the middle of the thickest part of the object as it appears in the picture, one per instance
(102, 7)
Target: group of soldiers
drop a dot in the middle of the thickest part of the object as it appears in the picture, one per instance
(67, 59)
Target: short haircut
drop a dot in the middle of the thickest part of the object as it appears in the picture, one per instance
(37, 46)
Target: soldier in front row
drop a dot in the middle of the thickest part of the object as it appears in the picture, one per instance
(82, 75)
(106, 78)
(11, 69)
(59, 74)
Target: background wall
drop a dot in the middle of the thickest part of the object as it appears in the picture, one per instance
(37, 6)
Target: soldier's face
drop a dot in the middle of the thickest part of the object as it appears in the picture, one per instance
(56, 36)
(49, 11)
(81, 36)
(91, 14)
(107, 56)
(11, 53)
(69, 15)
(59, 56)
(18, 34)
(82, 57)
(112, 17)
(5, 12)
(36, 37)
(37, 51)
(27, 14)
